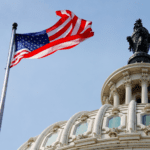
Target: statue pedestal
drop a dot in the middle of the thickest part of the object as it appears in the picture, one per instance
(139, 57)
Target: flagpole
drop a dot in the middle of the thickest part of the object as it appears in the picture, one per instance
(4, 89)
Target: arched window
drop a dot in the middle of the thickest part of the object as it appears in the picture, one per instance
(51, 139)
(114, 122)
(146, 120)
(81, 128)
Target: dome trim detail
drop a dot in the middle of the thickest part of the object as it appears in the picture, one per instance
(99, 119)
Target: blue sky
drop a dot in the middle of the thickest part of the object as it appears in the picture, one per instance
(44, 91)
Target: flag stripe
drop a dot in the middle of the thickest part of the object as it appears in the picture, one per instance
(59, 33)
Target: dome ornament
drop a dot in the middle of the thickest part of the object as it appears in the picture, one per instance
(115, 111)
(146, 130)
(139, 43)
(84, 117)
(113, 132)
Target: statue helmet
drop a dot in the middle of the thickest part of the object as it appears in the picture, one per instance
(138, 23)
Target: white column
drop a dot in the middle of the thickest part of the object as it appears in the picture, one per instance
(144, 92)
(128, 93)
(128, 87)
(131, 123)
(116, 99)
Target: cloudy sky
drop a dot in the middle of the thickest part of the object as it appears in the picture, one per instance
(44, 91)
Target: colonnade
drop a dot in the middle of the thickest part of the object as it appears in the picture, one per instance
(143, 81)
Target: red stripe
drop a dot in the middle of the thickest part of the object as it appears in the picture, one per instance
(60, 22)
(20, 52)
(74, 20)
(82, 26)
(59, 33)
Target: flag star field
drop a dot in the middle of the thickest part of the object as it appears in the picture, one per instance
(31, 41)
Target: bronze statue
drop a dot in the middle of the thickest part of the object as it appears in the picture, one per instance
(140, 39)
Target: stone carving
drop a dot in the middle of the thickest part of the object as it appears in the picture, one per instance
(139, 41)
(78, 137)
(146, 129)
(144, 76)
(95, 135)
(113, 132)
(30, 141)
(146, 108)
(127, 79)
(84, 117)
(106, 100)
(55, 128)
(115, 111)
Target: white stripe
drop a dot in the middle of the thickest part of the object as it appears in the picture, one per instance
(64, 34)
(65, 12)
(89, 26)
(22, 53)
(22, 50)
(58, 28)
(76, 27)
(56, 47)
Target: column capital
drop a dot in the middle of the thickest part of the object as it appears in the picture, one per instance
(106, 99)
(127, 79)
(144, 76)
(113, 88)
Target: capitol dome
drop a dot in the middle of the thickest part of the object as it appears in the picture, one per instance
(122, 123)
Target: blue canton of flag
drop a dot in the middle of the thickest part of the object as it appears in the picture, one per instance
(31, 41)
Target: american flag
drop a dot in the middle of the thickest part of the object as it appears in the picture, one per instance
(68, 32)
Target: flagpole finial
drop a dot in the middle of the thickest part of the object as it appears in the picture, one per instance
(14, 25)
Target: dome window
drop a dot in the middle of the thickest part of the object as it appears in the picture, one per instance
(81, 128)
(51, 139)
(146, 120)
(114, 122)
